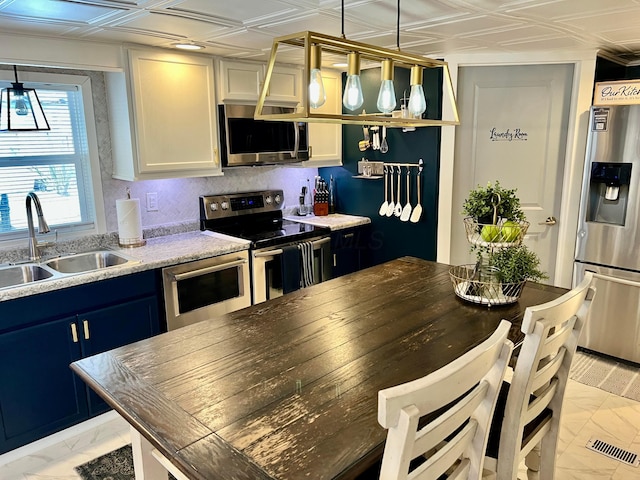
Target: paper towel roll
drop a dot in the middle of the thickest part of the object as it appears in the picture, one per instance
(129, 222)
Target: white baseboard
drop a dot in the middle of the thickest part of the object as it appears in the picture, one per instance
(58, 437)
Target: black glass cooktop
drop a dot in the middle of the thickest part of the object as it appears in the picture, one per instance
(268, 232)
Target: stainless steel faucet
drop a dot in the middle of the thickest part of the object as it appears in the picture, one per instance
(34, 253)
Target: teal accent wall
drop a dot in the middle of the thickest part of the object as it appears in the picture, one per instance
(390, 237)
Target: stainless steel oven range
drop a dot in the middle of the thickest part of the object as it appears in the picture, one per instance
(284, 254)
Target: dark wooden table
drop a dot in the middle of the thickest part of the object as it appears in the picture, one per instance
(287, 389)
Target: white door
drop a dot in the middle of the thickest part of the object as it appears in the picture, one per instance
(513, 128)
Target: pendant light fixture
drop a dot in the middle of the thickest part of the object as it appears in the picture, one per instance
(317, 94)
(313, 45)
(417, 103)
(353, 98)
(387, 94)
(20, 109)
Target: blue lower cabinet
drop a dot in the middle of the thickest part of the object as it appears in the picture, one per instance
(38, 392)
(350, 249)
(114, 327)
(42, 334)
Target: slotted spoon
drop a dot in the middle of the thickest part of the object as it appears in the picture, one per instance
(406, 211)
(383, 208)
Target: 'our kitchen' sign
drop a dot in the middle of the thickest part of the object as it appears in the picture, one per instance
(623, 92)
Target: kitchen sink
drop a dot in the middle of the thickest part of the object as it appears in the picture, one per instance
(85, 262)
(16, 275)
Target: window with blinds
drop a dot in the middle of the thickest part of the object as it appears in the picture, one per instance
(54, 164)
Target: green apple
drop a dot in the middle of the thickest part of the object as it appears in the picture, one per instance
(510, 231)
(490, 233)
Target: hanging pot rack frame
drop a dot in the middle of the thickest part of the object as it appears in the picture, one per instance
(342, 46)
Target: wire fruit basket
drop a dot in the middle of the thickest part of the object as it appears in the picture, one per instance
(502, 234)
(476, 285)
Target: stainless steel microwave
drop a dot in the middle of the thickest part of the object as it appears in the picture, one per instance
(246, 141)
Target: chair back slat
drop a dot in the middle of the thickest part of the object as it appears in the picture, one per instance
(431, 435)
(536, 406)
(462, 470)
(443, 459)
(547, 372)
(463, 393)
(558, 338)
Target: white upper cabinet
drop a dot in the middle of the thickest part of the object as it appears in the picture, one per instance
(242, 82)
(325, 139)
(163, 116)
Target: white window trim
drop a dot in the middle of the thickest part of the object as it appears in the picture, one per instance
(84, 83)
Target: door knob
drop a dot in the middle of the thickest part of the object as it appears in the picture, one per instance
(549, 221)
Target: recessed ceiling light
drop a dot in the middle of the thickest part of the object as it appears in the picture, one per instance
(188, 46)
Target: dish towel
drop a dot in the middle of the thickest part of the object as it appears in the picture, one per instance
(290, 260)
(306, 257)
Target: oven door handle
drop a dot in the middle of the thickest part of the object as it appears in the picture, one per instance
(278, 251)
(203, 271)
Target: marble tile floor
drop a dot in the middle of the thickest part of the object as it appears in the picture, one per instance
(589, 412)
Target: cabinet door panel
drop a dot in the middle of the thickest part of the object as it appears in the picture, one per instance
(113, 327)
(174, 111)
(39, 394)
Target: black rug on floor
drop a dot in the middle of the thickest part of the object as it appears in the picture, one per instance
(116, 465)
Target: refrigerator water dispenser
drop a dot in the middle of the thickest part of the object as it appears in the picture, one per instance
(608, 192)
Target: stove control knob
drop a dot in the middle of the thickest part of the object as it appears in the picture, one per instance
(214, 207)
(224, 205)
(268, 199)
(278, 199)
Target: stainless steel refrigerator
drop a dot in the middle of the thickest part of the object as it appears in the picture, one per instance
(608, 241)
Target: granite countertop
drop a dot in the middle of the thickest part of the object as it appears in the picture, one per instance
(162, 251)
(157, 253)
(335, 221)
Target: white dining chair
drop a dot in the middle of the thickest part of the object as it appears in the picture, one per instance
(527, 417)
(458, 401)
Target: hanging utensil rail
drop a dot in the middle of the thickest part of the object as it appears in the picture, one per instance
(375, 169)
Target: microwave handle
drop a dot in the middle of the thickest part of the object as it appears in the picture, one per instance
(203, 271)
(296, 132)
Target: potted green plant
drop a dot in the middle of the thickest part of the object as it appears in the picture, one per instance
(495, 213)
(480, 203)
(513, 266)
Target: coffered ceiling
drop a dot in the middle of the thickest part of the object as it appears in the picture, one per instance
(245, 28)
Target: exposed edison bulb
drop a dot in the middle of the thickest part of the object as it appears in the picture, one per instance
(352, 98)
(387, 94)
(417, 103)
(21, 104)
(317, 94)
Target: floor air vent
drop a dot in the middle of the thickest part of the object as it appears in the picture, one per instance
(614, 452)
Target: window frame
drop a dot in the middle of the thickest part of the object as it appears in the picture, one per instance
(95, 200)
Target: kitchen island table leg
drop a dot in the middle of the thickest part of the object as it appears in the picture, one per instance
(145, 465)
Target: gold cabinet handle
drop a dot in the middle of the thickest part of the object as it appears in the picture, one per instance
(74, 332)
(85, 326)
